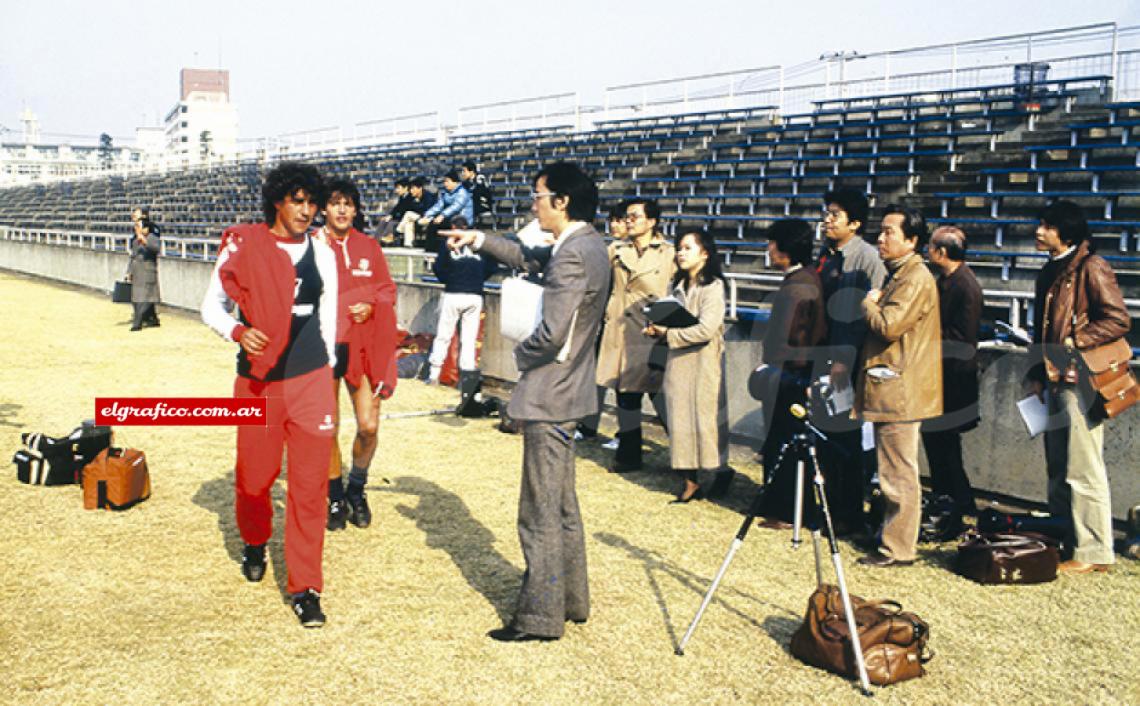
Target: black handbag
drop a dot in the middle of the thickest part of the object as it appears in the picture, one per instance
(121, 294)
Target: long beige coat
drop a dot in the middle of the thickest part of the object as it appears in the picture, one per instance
(623, 358)
(694, 381)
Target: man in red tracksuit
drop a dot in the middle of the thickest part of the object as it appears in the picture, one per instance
(366, 345)
(285, 285)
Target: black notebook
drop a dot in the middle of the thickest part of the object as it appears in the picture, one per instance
(670, 313)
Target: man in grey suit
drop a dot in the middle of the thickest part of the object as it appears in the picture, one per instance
(555, 391)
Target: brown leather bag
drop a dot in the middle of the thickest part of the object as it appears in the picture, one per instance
(1007, 557)
(116, 480)
(1111, 376)
(893, 641)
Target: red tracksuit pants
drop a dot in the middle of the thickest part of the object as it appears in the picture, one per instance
(300, 420)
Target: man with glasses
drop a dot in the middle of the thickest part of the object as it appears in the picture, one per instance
(555, 390)
(643, 267)
(848, 268)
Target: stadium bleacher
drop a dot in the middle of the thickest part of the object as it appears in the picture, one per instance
(987, 158)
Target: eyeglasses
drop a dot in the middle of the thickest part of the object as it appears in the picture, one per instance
(835, 215)
(536, 195)
(633, 217)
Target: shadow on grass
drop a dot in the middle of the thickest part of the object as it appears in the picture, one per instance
(217, 496)
(448, 525)
(657, 476)
(8, 412)
(656, 565)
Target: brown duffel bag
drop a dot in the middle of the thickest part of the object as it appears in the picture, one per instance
(893, 641)
(1007, 557)
(116, 480)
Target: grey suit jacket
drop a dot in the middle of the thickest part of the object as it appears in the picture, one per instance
(574, 279)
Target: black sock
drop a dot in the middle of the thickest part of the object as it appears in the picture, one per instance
(357, 479)
(336, 489)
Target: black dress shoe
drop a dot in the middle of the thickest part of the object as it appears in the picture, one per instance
(577, 621)
(698, 494)
(509, 634)
(136, 328)
(253, 562)
(880, 560)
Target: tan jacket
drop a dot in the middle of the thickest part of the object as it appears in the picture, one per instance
(901, 379)
(623, 358)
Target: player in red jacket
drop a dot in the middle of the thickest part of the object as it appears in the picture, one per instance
(366, 344)
(284, 284)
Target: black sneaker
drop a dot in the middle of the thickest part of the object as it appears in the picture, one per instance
(358, 512)
(338, 515)
(307, 606)
(253, 562)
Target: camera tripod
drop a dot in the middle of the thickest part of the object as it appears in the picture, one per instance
(801, 447)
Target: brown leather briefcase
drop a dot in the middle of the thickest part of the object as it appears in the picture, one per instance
(116, 480)
(1008, 557)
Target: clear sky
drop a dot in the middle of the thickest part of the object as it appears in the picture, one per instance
(109, 66)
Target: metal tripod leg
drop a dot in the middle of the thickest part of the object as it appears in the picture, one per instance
(798, 508)
(824, 512)
(737, 541)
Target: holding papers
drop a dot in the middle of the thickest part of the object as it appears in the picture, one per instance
(1034, 413)
(521, 312)
(670, 313)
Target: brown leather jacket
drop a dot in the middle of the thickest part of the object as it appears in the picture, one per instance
(901, 379)
(1082, 289)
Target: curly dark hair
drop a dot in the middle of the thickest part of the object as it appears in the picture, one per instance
(287, 179)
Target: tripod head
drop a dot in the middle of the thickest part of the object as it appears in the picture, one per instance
(799, 412)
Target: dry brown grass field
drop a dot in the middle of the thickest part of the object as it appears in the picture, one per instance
(149, 605)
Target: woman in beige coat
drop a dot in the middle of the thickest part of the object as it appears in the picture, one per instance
(694, 371)
(643, 268)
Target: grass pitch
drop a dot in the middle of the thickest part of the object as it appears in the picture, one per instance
(149, 605)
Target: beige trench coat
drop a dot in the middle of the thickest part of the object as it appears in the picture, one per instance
(623, 358)
(694, 382)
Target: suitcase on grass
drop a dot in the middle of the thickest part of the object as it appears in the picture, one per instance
(46, 460)
(116, 480)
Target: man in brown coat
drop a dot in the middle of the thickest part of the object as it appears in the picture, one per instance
(900, 383)
(643, 268)
(1078, 305)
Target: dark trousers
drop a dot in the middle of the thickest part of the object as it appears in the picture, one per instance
(841, 463)
(555, 586)
(143, 312)
(629, 424)
(780, 471)
(431, 239)
(947, 474)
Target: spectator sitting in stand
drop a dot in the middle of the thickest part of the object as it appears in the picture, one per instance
(386, 230)
(453, 201)
(481, 198)
(421, 200)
